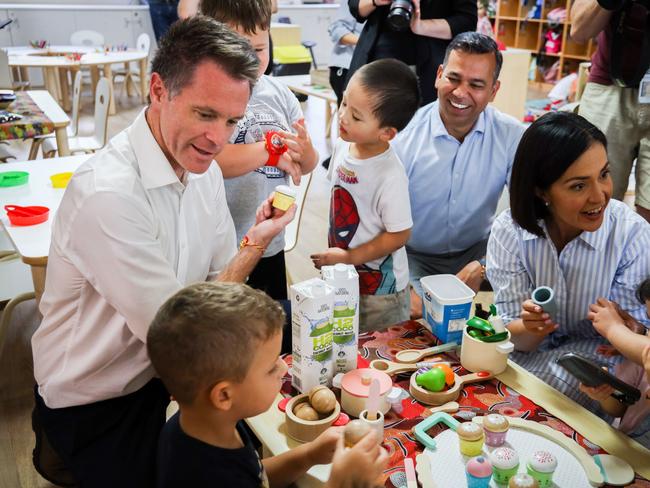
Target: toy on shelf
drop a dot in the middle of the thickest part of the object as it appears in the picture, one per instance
(310, 414)
(505, 463)
(470, 438)
(415, 355)
(479, 472)
(496, 428)
(541, 466)
(439, 397)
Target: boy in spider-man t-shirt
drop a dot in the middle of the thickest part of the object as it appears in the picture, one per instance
(370, 213)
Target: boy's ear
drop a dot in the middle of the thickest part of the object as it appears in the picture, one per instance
(387, 134)
(221, 395)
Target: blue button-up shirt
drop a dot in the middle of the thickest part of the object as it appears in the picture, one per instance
(454, 187)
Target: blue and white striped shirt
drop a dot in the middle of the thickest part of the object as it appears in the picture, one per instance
(610, 262)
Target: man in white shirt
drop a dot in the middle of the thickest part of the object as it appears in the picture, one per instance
(140, 220)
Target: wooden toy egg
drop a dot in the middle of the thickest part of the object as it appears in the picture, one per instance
(354, 432)
(322, 399)
(305, 411)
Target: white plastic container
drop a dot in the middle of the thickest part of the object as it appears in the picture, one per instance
(446, 304)
(345, 281)
(312, 305)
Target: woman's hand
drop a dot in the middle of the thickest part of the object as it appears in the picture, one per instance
(535, 320)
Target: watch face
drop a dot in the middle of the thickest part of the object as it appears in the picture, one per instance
(276, 141)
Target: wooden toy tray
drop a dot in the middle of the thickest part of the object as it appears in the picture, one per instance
(447, 464)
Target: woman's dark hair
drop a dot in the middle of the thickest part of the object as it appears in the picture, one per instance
(643, 292)
(546, 150)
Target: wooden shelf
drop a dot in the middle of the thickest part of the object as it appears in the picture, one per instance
(515, 30)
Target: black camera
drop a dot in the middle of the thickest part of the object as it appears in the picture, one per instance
(399, 14)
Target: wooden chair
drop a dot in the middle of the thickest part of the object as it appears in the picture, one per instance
(130, 76)
(88, 144)
(73, 128)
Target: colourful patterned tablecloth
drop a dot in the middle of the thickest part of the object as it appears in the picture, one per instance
(475, 399)
(34, 122)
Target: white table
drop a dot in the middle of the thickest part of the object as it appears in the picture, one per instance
(33, 242)
(55, 113)
(56, 65)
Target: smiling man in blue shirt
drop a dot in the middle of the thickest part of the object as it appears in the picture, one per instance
(458, 154)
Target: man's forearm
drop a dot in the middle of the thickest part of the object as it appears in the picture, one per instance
(241, 266)
(588, 19)
(438, 28)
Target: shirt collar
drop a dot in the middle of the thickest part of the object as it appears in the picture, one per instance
(596, 240)
(438, 128)
(155, 169)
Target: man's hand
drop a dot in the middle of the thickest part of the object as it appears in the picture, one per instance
(269, 222)
(333, 255)
(599, 393)
(322, 449)
(471, 275)
(301, 150)
(291, 167)
(360, 466)
(604, 316)
(535, 320)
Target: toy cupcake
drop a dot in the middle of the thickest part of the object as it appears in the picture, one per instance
(479, 472)
(470, 438)
(505, 463)
(523, 480)
(496, 427)
(541, 466)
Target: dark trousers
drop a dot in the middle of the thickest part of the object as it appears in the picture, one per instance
(270, 276)
(337, 82)
(163, 15)
(109, 443)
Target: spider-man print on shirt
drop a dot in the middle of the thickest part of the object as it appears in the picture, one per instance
(344, 221)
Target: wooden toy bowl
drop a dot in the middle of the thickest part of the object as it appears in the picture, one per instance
(307, 430)
(427, 397)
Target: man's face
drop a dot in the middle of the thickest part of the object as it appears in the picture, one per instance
(465, 87)
(195, 123)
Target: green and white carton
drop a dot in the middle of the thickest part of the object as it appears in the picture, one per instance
(345, 281)
(312, 306)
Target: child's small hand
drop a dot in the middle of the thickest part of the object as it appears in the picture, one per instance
(604, 316)
(289, 166)
(333, 255)
(321, 449)
(300, 147)
(360, 466)
(599, 393)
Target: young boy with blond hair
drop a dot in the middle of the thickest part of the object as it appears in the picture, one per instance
(370, 212)
(254, 163)
(216, 348)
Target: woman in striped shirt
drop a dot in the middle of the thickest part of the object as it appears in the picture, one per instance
(563, 231)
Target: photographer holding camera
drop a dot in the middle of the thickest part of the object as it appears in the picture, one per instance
(416, 32)
(620, 73)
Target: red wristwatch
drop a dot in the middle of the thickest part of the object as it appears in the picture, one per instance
(275, 147)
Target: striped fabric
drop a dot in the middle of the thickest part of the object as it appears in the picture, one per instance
(610, 262)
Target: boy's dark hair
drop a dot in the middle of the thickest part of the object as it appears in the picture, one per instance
(476, 43)
(192, 41)
(393, 88)
(249, 15)
(643, 292)
(208, 332)
(548, 147)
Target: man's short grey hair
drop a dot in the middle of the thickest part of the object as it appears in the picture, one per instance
(192, 41)
(475, 43)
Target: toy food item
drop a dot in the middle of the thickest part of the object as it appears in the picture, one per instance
(354, 432)
(496, 428)
(449, 373)
(432, 380)
(322, 399)
(305, 411)
(505, 463)
(541, 466)
(284, 197)
(523, 480)
(479, 472)
(471, 437)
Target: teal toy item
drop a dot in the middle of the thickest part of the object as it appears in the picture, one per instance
(433, 380)
(420, 430)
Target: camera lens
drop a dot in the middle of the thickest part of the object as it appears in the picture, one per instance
(399, 14)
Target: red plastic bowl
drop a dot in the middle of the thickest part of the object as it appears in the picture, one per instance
(38, 216)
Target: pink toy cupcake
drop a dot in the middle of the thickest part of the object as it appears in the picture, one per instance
(479, 472)
(496, 427)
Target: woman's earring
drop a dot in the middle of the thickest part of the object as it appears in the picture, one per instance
(547, 203)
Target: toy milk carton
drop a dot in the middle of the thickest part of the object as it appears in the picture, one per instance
(312, 305)
(446, 303)
(345, 281)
